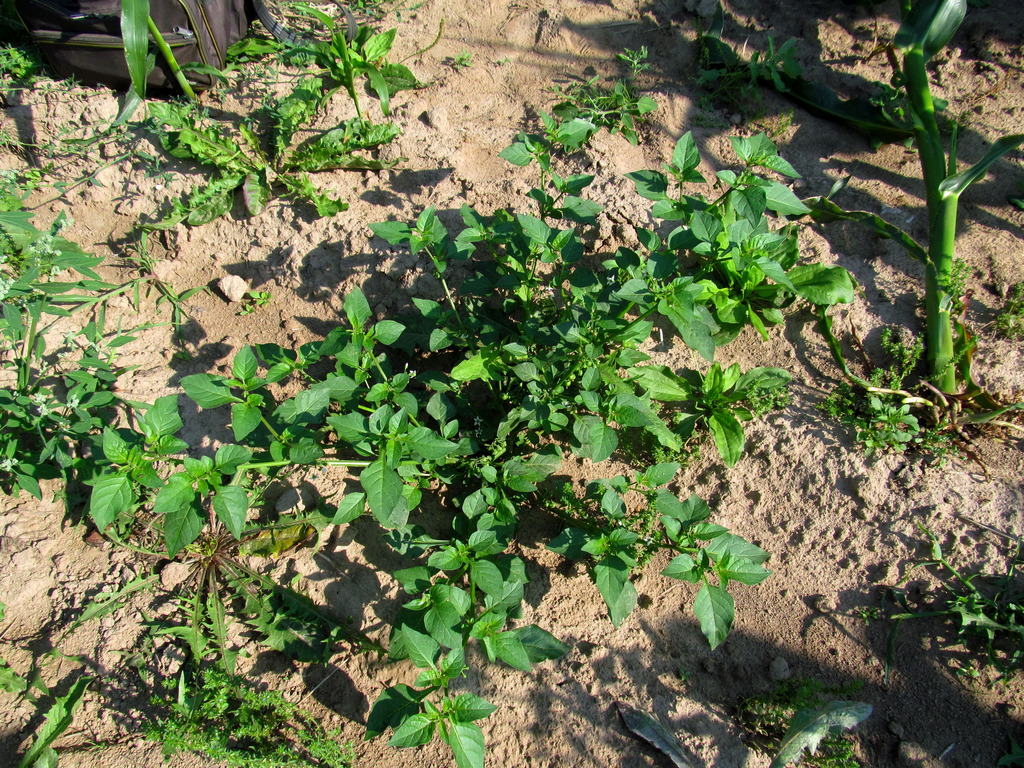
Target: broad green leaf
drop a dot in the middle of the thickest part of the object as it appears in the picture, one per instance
(540, 645)
(244, 419)
(661, 383)
(468, 708)
(737, 546)
(956, 184)
(415, 731)
(357, 309)
(728, 434)
(162, 417)
(349, 508)
(393, 232)
(686, 158)
(414, 580)
(740, 569)
(631, 411)
(208, 391)
(781, 199)
(596, 440)
(659, 474)
(231, 504)
(682, 567)
(394, 706)
(810, 726)
(387, 331)
(822, 285)
(507, 647)
(135, 34)
(650, 185)
(383, 488)
(175, 503)
(244, 366)
(378, 46)
(111, 495)
(423, 650)
(612, 578)
(487, 576)
(517, 154)
(930, 25)
(715, 610)
(230, 457)
(423, 441)
(467, 743)
(471, 369)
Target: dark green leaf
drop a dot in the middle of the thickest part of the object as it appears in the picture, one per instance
(231, 504)
(540, 645)
(208, 391)
(394, 706)
(612, 578)
(383, 489)
(111, 495)
(415, 731)
(715, 610)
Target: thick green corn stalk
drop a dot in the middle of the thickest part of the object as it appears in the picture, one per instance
(927, 27)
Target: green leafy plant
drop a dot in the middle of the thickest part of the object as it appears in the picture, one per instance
(58, 719)
(713, 401)
(254, 166)
(986, 609)
(255, 300)
(54, 401)
(227, 720)
(619, 108)
(536, 348)
(885, 415)
(463, 61)
(799, 715)
(746, 272)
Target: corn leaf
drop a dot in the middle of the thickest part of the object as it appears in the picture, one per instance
(930, 25)
(957, 183)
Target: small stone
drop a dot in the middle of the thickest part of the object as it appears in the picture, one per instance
(825, 604)
(233, 288)
(896, 729)
(779, 669)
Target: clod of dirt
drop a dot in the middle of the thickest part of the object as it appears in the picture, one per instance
(233, 288)
(296, 499)
(913, 755)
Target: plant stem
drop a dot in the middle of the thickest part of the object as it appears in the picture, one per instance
(939, 348)
(169, 57)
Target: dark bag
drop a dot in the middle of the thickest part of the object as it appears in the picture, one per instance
(82, 38)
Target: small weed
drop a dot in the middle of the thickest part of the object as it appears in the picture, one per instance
(1010, 323)
(255, 300)
(768, 718)
(986, 609)
(463, 61)
(736, 86)
(224, 718)
(617, 107)
(882, 414)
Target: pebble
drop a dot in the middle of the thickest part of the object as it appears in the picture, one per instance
(779, 669)
(233, 288)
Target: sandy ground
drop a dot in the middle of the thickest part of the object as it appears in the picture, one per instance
(841, 528)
